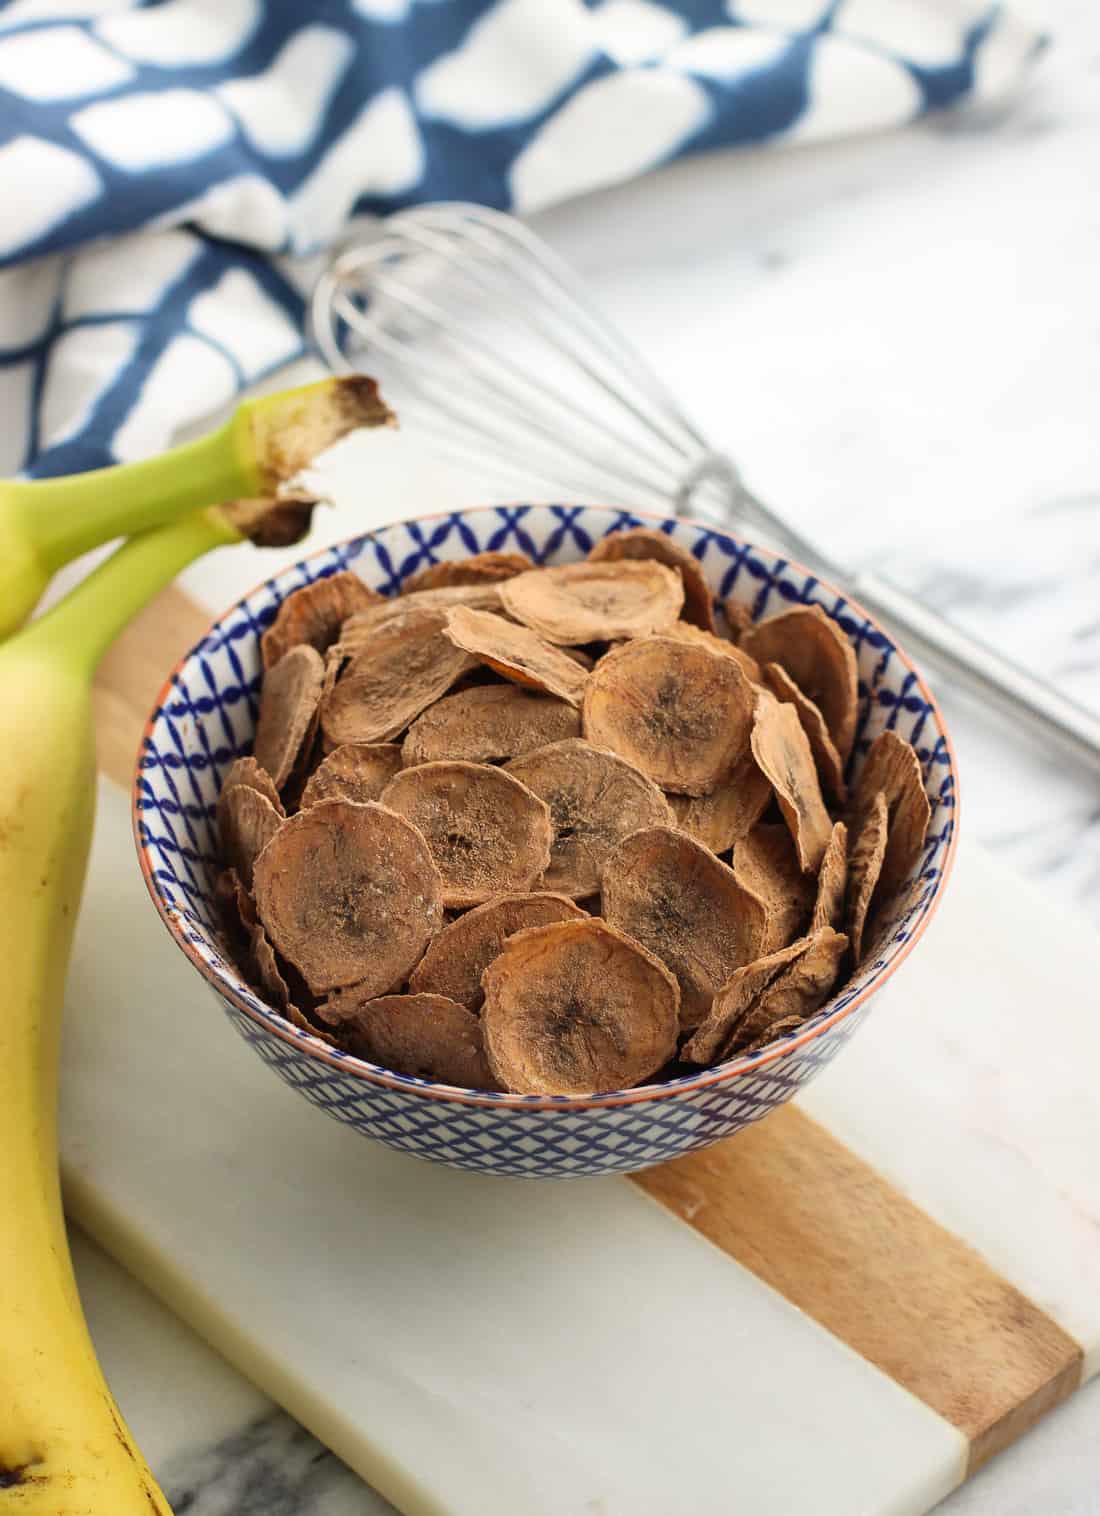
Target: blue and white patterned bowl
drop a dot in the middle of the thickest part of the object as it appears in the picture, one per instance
(205, 718)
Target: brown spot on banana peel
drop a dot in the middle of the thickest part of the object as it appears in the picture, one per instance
(287, 437)
(271, 521)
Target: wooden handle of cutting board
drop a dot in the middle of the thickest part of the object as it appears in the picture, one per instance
(783, 1198)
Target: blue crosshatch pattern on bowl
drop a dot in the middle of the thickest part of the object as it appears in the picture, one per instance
(207, 718)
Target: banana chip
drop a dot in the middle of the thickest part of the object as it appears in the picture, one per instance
(738, 617)
(794, 994)
(487, 723)
(819, 658)
(356, 771)
(595, 602)
(271, 975)
(314, 614)
(360, 630)
(781, 1028)
(289, 700)
(830, 770)
(456, 960)
(487, 832)
(349, 894)
(766, 864)
(235, 909)
(596, 799)
(832, 882)
(676, 899)
(673, 710)
(732, 1001)
(732, 808)
(247, 821)
(865, 858)
(893, 768)
(517, 652)
(683, 631)
(576, 1008)
(401, 670)
(254, 953)
(782, 751)
(642, 542)
(425, 1036)
(479, 569)
(248, 771)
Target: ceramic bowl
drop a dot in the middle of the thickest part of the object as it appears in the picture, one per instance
(205, 718)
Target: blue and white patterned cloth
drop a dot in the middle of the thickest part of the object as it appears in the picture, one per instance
(171, 171)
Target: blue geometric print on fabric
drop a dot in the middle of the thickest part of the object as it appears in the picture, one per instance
(208, 719)
(123, 125)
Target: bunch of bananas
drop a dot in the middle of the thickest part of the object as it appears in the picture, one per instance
(64, 1448)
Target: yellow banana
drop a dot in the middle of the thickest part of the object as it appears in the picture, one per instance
(45, 523)
(64, 1448)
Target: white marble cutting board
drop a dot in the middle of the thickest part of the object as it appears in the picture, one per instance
(473, 1345)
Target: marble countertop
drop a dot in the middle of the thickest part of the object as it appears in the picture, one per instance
(898, 340)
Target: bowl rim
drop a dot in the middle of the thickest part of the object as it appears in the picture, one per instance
(274, 1024)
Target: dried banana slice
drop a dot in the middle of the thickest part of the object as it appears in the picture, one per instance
(464, 949)
(794, 994)
(247, 821)
(830, 770)
(782, 751)
(424, 1036)
(314, 615)
(832, 882)
(594, 602)
(676, 899)
(683, 631)
(487, 832)
(596, 799)
(865, 858)
(893, 767)
(732, 808)
(819, 658)
(738, 617)
(576, 1008)
(642, 542)
(766, 863)
(732, 1001)
(257, 957)
(356, 771)
(777, 1029)
(489, 722)
(248, 771)
(673, 710)
(349, 894)
(517, 652)
(401, 669)
(478, 569)
(270, 973)
(360, 630)
(289, 699)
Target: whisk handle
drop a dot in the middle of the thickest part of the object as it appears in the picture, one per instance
(1053, 719)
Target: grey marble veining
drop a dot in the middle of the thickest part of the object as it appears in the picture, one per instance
(1033, 592)
(271, 1467)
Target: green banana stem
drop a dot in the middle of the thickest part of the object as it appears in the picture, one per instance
(48, 522)
(80, 628)
(62, 518)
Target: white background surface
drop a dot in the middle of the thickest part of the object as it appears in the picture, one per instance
(899, 340)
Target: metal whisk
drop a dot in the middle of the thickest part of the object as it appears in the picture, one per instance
(491, 349)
